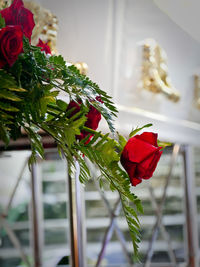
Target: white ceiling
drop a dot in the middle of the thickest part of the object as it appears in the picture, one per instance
(185, 13)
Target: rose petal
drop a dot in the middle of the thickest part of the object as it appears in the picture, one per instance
(94, 117)
(44, 47)
(146, 168)
(135, 181)
(148, 137)
(74, 105)
(17, 4)
(26, 21)
(137, 150)
(129, 167)
(11, 44)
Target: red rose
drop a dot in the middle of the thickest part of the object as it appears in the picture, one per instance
(93, 118)
(44, 47)
(140, 157)
(11, 44)
(17, 14)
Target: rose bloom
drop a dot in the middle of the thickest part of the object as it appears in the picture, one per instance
(140, 157)
(11, 44)
(93, 118)
(17, 14)
(44, 47)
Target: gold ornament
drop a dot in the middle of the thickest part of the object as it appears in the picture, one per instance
(155, 77)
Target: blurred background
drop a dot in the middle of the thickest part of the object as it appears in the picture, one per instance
(146, 55)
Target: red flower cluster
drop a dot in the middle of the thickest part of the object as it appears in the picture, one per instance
(93, 117)
(19, 21)
(17, 14)
(140, 157)
(44, 47)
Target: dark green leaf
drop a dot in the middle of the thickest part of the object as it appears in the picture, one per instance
(8, 95)
(2, 22)
(4, 135)
(8, 107)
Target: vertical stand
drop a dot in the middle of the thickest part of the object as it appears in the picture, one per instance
(191, 210)
(76, 220)
(37, 234)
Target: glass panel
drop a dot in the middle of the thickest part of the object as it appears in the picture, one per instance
(54, 198)
(17, 220)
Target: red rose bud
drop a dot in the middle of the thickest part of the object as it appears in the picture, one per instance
(11, 44)
(17, 14)
(44, 47)
(140, 157)
(93, 118)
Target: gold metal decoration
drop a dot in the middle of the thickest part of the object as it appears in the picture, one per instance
(5, 3)
(155, 75)
(46, 25)
(197, 91)
(82, 67)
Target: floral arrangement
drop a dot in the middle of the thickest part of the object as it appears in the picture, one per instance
(30, 82)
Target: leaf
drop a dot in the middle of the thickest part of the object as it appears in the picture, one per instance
(2, 22)
(16, 71)
(122, 141)
(139, 129)
(7, 80)
(73, 129)
(5, 115)
(43, 104)
(4, 135)
(8, 107)
(54, 93)
(17, 89)
(58, 60)
(8, 95)
(61, 104)
(26, 45)
(36, 144)
(108, 151)
(163, 144)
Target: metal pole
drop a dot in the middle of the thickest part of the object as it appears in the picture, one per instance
(37, 250)
(191, 209)
(76, 220)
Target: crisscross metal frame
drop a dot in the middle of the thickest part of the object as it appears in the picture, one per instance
(159, 213)
(191, 225)
(112, 227)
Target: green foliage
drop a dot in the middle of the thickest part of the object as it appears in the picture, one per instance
(104, 153)
(163, 144)
(139, 129)
(2, 22)
(29, 100)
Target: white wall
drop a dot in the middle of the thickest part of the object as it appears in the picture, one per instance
(143, 19)
(107, 34)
